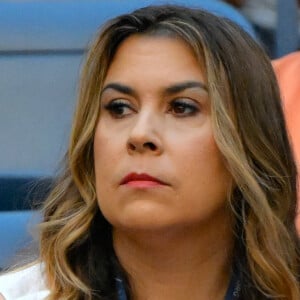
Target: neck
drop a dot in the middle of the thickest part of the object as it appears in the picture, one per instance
(176, 264)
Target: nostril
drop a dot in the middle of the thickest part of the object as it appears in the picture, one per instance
(150, 145)
(141, 147)
(131, 147)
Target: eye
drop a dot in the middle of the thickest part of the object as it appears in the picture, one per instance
(118, 108)
(183, 107)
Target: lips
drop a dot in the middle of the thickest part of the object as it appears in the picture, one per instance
(143, 177)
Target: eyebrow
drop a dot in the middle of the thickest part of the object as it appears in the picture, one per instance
(170, 90)
(179, 87)
(124, 89)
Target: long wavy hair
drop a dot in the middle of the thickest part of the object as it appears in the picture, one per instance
(249, 129)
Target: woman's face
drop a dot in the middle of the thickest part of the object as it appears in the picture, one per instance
(156, 162)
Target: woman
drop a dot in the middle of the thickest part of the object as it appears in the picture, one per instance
(179, 180)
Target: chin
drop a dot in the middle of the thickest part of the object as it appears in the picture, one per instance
(141, 220)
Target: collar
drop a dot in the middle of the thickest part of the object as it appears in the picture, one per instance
(120, 289)
(234, 289)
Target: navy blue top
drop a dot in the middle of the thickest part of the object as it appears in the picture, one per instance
(233, 291)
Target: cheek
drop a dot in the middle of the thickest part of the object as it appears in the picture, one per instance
(105, 157)
(196, 152)
(209, 179)
(106, 150)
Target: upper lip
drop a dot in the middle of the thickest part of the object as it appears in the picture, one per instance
(140, 177)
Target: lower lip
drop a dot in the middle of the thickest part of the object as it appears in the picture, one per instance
(143, 184)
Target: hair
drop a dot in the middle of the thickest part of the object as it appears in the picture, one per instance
(249, 129)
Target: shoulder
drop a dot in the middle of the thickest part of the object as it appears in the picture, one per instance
(24, 284)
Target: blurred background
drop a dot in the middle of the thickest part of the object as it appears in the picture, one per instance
(42, 47)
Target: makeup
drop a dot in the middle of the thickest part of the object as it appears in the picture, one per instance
(141, 180)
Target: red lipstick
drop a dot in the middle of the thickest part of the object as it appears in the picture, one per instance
(142, 180)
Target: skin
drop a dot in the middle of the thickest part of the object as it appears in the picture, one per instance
(174, 239)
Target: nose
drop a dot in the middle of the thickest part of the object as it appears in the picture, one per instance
(145, 136)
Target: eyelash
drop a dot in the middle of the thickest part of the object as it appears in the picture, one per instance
(185, 104)
(116, 108)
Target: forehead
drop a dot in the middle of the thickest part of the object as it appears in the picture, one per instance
(154, 60)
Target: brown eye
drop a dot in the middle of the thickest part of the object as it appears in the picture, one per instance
(118, 108)
(183, 108)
